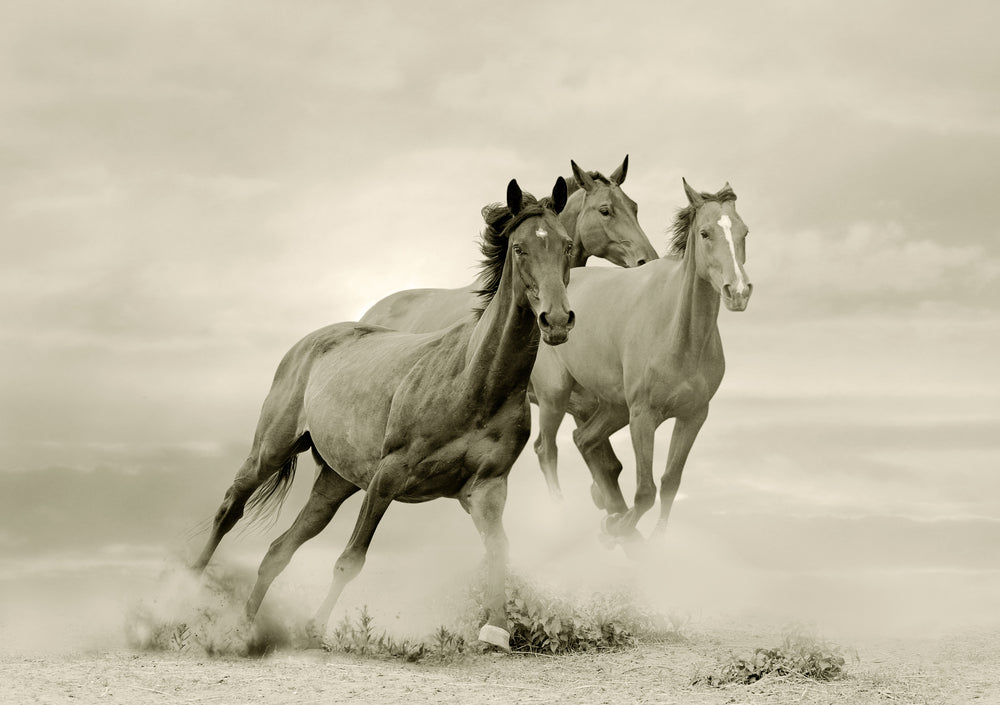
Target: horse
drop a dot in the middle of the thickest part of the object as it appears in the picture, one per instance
(413, 417)
(647, 349)
(600, 218)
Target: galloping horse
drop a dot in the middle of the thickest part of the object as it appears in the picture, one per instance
(600, 218)
(647, 349)
(412, 417)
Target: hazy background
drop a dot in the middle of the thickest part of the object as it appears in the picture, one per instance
(187, 188)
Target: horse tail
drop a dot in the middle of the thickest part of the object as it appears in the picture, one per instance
(270, 496)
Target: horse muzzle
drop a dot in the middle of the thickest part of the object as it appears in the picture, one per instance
(737, 298)
(555, 327)
(630, 256)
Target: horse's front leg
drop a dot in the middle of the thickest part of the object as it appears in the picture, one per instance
(642, 426)
(685, 431)
(485, 500)
(551, 409)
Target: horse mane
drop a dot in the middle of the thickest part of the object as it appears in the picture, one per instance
(494, 240)
(677, 244)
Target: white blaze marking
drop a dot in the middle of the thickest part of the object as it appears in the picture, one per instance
(727, 228)
(541, 232)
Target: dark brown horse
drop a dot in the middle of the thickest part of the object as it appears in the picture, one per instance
(412, 417)
(599, 216)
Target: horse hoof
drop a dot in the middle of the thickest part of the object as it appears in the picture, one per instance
(495, 636)
(313, 636)
(609, 524)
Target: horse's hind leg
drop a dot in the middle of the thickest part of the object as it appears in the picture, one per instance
(384, 487)
(274, 452)
(249, 477)
(592, 436)
(328, 493)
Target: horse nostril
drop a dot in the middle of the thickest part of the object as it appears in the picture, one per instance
(543, 320)
(727, 291)
(571, 321)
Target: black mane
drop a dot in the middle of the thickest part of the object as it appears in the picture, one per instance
(685, 217)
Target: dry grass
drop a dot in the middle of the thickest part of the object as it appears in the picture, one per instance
(956, 671)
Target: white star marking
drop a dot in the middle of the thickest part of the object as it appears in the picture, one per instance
(727, 228)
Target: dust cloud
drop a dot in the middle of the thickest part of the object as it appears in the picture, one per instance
(845, 579)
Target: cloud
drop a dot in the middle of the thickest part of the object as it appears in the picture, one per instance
(188, 198)
(867, 265)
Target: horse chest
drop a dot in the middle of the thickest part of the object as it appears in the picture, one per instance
(441, 465)
(677, 389)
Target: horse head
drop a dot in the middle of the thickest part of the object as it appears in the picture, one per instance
(540, 253)
(718, 236)
(606, 223)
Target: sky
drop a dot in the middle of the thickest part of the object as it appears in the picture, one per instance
(188, 188)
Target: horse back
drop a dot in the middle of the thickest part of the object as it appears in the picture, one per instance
(423, 310)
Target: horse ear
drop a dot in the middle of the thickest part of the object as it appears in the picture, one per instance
(582, 177)
(694, 198)
(559, 195)
(514, 197)
(618, 176)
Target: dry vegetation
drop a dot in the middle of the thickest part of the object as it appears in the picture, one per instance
(189, 646)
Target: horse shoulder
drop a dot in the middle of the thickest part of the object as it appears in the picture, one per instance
(429, 396)
(672, 386)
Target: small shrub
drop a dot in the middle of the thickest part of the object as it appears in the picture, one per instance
(361, 638)
(446, 645)
(541, 621)
(179, 637)
(798, 654)
(356, 637)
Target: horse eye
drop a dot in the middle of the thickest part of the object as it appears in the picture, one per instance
(518, 250)
(704, 234)
(605, 210)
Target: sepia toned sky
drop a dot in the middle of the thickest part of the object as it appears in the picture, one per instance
(186, 188)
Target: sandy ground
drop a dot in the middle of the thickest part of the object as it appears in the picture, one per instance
(959, 668)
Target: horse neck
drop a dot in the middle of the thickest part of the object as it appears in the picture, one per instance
(695, 304)
(503, 345)
(568, 217)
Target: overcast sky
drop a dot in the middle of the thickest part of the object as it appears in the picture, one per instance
(186, 188)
